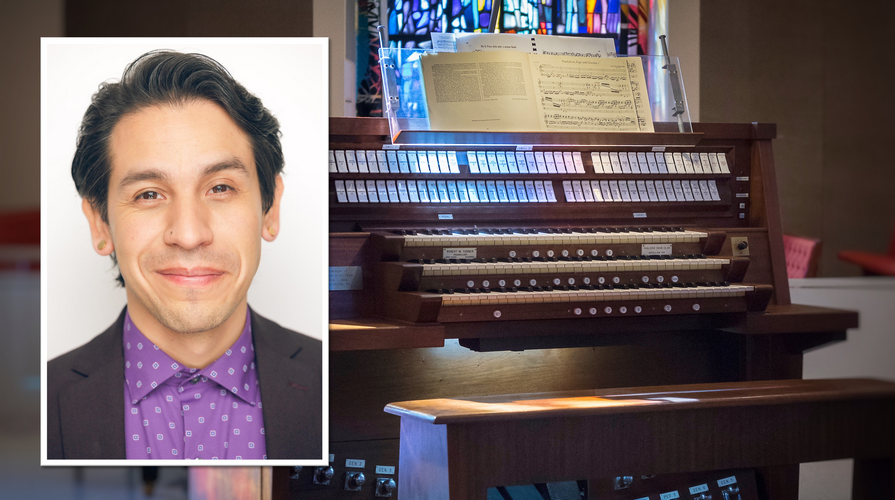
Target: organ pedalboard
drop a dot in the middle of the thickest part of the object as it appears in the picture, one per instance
(447, 254)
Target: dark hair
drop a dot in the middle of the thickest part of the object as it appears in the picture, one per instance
(167, 77)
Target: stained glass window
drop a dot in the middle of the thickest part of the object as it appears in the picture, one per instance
(410, 22)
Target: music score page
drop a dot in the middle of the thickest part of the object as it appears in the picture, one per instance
(513, 91)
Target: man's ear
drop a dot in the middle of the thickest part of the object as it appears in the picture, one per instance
(99, 230)
(271, 227)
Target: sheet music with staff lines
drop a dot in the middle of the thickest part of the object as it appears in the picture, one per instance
(513, 91)
(591, 94)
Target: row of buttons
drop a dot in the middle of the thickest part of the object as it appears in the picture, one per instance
(444, 191)
(395, 162)
(596, 191)
(529, 162)
(411, 191)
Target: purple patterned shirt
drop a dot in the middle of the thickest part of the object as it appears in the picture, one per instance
(176, 412)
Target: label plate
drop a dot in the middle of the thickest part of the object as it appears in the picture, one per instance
(385, 469)
(655, 249)
(458, 253)
(345, 278)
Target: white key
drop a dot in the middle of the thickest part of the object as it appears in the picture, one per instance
(694, 188)
(587, 191)
(493, 167)
(650, 190)
(531, 192)
(351, 191)
(549, 162)
(372, 163)
(442, 191)
(651, 163)
(382, 189)
(473, 192)
(635, 163)
(660, 191)
(623, 189)
(633, 191)
(372, 192)
(511, 162)
(443, 164)
(340, 192)
(392, 158)
(473, 162)
(521, 192)
(615, 191)
(433, 192)
(392, 189)
(722, 162)
(453, 165)
(403, 165)
(461, 191)
(413, 192)
(713, 160)
(598, 165)
(567, 189)
(403, 196)
(706, 193)
(521, 162)
(423, 190)
(452, 192)
(671, 191)
(626, 166)
(361, 190)
(341, 162)
(548, 190)
(483, 192)
(539, 188)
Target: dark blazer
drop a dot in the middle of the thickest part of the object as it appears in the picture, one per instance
(85, 395)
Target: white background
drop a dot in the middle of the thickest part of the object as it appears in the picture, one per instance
(290, 77)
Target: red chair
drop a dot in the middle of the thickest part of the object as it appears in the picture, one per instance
(873, 264)
(802, 255)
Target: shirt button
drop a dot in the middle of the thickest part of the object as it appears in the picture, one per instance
(194, 381)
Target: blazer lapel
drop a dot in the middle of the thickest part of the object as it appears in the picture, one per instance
(289, 373)
(94, 407)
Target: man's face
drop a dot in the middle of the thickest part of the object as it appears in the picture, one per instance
(184, 211)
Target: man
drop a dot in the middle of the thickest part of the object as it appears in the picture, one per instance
(178, 167)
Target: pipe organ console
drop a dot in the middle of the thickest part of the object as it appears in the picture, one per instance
(477, 264)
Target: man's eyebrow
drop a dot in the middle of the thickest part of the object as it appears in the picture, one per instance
(231, 164)
(152, 174)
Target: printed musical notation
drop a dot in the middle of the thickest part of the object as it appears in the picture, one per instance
(585, 89)
(560, 92)
(591, 94)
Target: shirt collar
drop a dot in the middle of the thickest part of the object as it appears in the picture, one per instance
(146, 366)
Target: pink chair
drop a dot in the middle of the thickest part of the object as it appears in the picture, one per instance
(802, 255)
(873, 264)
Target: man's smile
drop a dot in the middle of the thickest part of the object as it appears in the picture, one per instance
(194, 277)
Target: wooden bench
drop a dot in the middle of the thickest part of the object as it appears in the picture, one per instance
(457, 448)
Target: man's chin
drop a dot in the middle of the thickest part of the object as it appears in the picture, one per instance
(192, 319)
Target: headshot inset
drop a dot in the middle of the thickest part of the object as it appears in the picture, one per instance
(183, 175)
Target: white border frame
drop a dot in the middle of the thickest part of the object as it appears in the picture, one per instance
(305, 154)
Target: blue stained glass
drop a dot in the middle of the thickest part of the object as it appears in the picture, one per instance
(416, 15)
(484, 19)
(456, 7)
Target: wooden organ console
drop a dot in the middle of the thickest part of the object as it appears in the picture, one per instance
(479, 264)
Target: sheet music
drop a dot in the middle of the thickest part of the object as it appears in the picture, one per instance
(513, 91)
(575, 93)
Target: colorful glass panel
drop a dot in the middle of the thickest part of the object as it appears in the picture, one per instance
(410, 22)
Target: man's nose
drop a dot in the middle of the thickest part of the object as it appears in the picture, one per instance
(189, 224)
